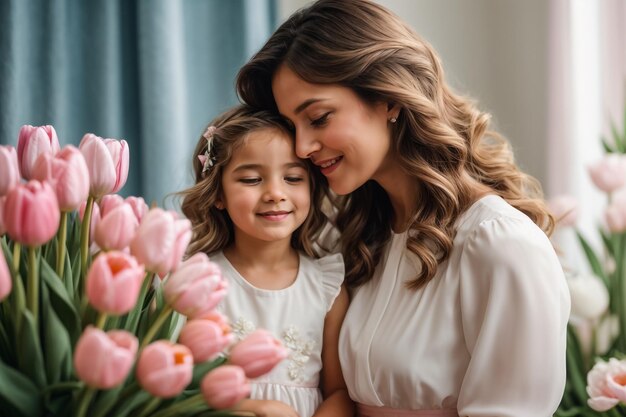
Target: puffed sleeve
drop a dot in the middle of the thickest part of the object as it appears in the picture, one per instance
(514, 306)
(332, 271)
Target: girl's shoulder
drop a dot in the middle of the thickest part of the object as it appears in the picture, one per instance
(326, 272)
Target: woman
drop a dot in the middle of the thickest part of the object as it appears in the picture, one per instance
(459, 304)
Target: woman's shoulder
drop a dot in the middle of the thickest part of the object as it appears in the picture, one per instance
(493, 221)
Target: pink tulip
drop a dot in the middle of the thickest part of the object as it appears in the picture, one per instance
(3, 228)
(196, 287)
(31, 213)
(564, 208)
(205, 338)
(116, 228)
(103, 360)
(161, 241)
(67, 173)
(615, 216)
(164, 369)
(109, 202)
(140, 208)
(9, 169)
(225, 386)
(5, 278)
(34, 141)
(609, 174)
(604, 385)
(113, 282)
(258, 353)
(107, 161)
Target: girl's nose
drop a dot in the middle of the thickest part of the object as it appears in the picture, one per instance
(274, 192)
(306, 144)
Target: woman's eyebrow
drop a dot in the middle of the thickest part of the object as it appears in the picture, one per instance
(306, 103)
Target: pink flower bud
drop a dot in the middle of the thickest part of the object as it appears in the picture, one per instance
(609, 174)
(258, 353)
(196, 287)
(564, 208)
(103, 360)
(205, 338)
(34, 141)
(9, 169)
(161, 241)
(5, 277)
(116, 228)
(164, 369)
(140, 208)
(67, 173)
(615, 216)
(107, 161)
(113, 282)
(604, 392)
(31, 213)
(109, 202)
(225, 386)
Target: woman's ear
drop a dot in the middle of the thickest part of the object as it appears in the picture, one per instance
(219, 204)
(393, 110)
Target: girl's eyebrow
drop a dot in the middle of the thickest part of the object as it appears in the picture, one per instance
(243, 167)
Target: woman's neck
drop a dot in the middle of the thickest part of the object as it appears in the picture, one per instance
(267, 265)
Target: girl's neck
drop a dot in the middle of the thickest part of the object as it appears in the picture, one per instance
(266, 265)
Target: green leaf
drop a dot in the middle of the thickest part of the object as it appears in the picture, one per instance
(58, 348)
(60, 301)
(29, 355)
(617, 138)
(606, 146)
(608, 243)
(201, 369)
(18, 395)
(575, 366)
(594, 262)
(6, 347)
(68, 277)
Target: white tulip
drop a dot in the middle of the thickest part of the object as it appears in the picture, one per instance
(590, 297)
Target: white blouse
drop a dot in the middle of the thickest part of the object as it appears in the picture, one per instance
(295, 315)
(485, 336)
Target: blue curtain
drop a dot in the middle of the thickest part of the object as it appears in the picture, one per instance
(152, 72)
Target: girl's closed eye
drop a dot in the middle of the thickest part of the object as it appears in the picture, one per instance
(294, 179)
(250, 180)
(320, 121)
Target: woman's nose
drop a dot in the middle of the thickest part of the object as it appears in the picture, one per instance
(306, 144)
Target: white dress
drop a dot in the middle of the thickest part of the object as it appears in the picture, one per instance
(295, 315)
(485, 337)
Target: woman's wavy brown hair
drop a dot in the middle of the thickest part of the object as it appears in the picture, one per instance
(212, 227)
(440, 138)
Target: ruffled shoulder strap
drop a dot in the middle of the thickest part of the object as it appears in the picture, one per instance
(332, 272)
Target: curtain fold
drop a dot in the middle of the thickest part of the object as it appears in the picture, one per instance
(152, 72)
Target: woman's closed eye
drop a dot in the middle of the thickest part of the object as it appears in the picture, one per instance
(320, 121)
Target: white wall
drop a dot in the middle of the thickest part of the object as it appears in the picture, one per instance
(495, 51)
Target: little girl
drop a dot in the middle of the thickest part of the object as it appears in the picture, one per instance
(255, 211)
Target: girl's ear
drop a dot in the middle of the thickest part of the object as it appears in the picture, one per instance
(219, 204)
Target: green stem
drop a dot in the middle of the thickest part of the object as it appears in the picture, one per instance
(148, 407)
(84, 242)
(61, 244)
(181, 406)
(102, 320)
(85, 399)
(156, 326)
(17, 250)
(32, 292)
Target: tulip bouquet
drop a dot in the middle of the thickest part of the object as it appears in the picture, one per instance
(596, 342)
(99, 314)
